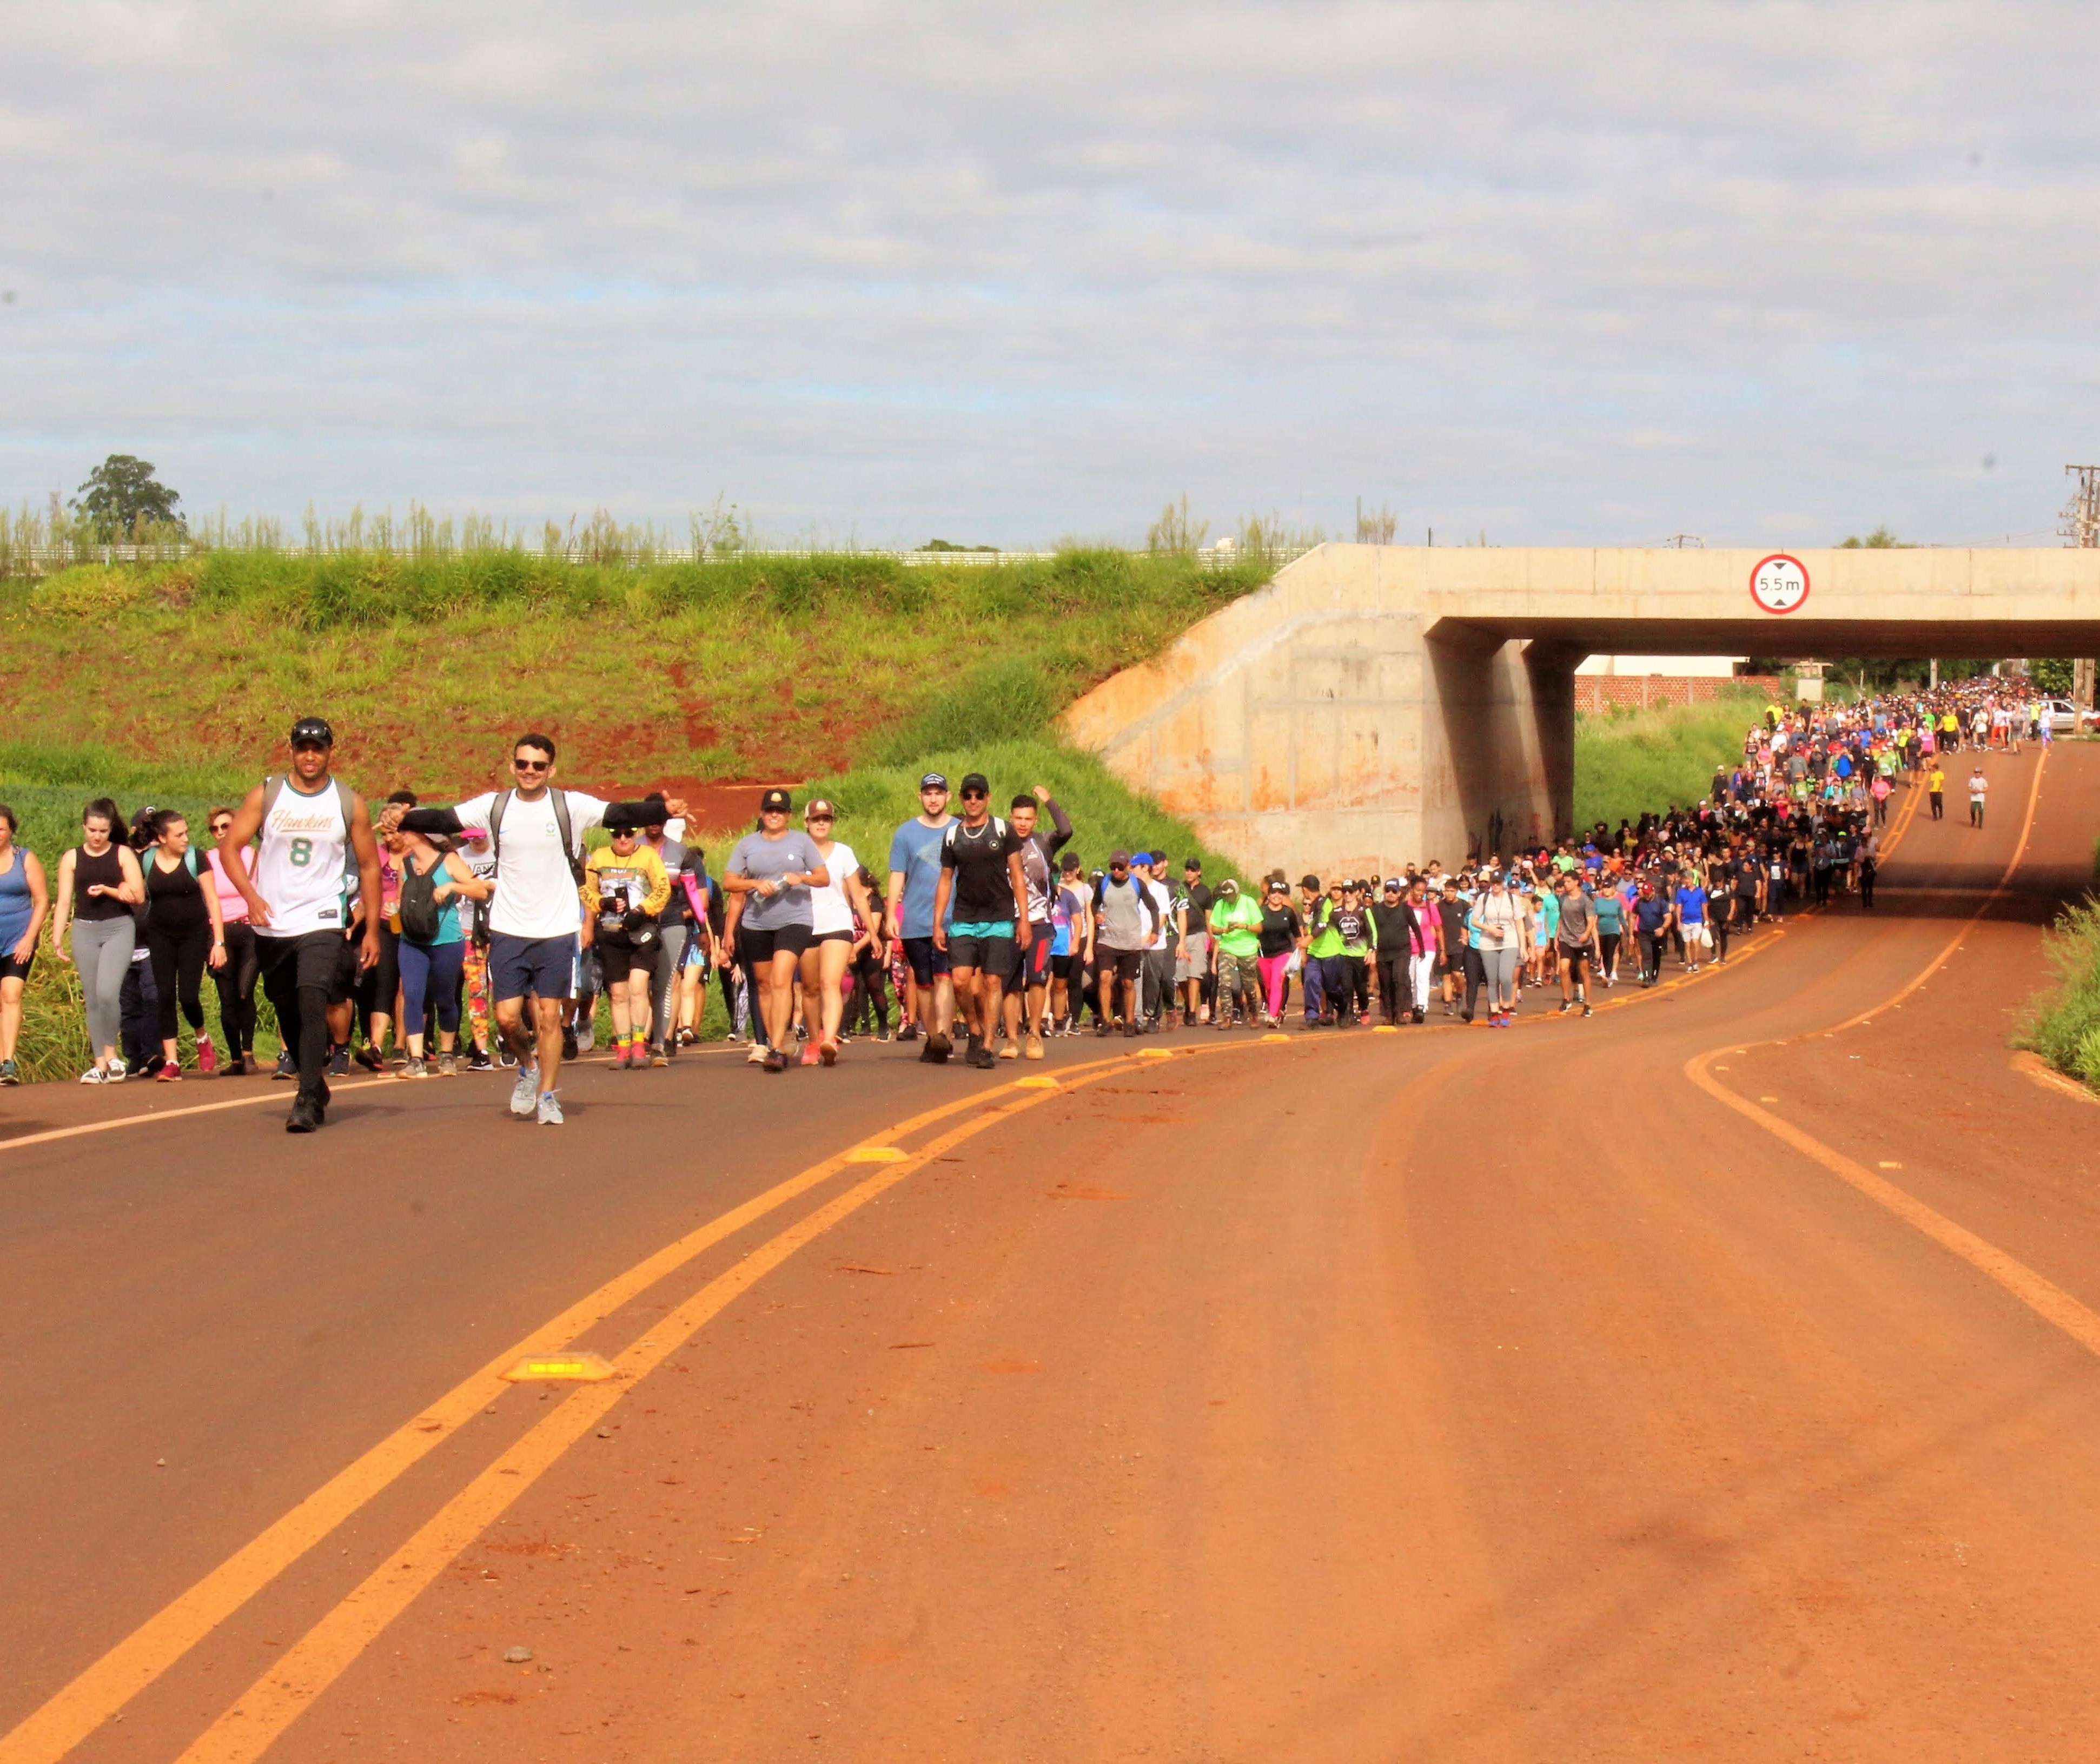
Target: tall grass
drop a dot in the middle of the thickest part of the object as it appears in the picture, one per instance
(2065, 1030)
(1628, 762)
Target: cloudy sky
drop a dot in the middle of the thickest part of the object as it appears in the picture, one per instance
(1573, 274)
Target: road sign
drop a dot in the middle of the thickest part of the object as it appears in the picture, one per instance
(1779, 584)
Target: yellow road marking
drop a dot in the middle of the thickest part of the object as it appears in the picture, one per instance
(80, 1707)
(267, 1707)
(583, 1368)
(2038, 1293)
(875, 1154)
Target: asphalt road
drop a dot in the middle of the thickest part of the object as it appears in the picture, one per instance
(1721, 1375)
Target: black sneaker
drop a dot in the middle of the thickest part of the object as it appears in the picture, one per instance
(338, 1066)
(568, 1044)
(478, 1060)
(287, 1066)
(367, 1056)
(910, 1032)
(1588, 1012)
(305, 1118)
(937, 1050)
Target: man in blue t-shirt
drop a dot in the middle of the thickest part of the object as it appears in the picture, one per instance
(915, 873)
(1690, 903)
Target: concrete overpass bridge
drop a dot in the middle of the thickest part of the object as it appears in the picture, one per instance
(1376, 703)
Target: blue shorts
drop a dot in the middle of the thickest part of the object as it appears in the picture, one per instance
(545, 967)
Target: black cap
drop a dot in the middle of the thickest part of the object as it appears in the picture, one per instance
(775, 802)
(309, 729)
(976, 781)
(933, 780)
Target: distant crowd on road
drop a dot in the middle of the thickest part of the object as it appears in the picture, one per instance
(426, 941)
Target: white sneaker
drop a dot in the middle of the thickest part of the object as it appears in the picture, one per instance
(757, 1057)
(524, 1093)
(95, 1075)
(550, 1110)
(586, 1038)
(117, 1069)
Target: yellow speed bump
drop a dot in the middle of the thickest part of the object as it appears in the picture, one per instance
(1043, 1083)
(1273, 1036)
(1155, 1053)
(563, 1368)
(1384, 1029)
(875, 1154)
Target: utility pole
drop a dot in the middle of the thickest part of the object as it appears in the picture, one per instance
(1685, 542)
(2081, 529)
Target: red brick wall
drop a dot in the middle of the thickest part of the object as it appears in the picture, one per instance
(1594, 692)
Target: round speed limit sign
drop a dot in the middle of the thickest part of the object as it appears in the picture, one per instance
(1779, 584)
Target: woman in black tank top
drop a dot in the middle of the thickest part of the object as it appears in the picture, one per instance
(104, 869)
(183, 932)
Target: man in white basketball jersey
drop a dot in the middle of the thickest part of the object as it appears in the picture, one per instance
(316, 834)
(535, 830)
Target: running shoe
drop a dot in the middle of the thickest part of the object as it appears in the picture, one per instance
(207, 1057)
(811, 1056)
(983, 1058)
(119, 1070)
(1035, 1046)
(367, 1056)
(550, 1110)
(1011, 1050)
(305, 1118)
(415, 1068)
(775, 1061)
(95, 1075)
(570, 1046)
(505, 1058)
(908, 1032)
(1102, 1026)
(587, 1038)
(525, 1091)
(478, 1060)
(1587, 1011)
(687, 1037)
(287, 1066)
(620, 1056)
(828, 1052)
(757, 1057)
(338, 1066)
(170, 1072)
(658, 1055)
(937, 1049)
(8, 1075)
(447, 1065)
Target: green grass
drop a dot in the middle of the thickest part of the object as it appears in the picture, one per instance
(760, 667)
(1628, 762)
(2065, 1030)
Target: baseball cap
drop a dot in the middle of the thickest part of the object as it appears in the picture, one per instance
(313, 728)
(775, 802)
(1228, 886)
(934, 781)
(1309, 882)
(1395, 884)
(976, 781)
(816, 806)
(1140, 857)
(1192, 863)
(1117, 857)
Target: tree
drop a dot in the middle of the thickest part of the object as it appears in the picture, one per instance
(2052, 673)
(1880, 540)
(122, 497)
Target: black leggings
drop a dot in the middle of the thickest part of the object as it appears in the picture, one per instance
(178, 955)
(1393, 1000)
(871, 975)
(1608, 954)
(237, 988)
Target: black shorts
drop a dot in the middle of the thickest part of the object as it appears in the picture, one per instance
(11, 970)
(342, 983)
(993, 956)
(619, 957)
(1031, 965)
(830, 937)
(1064, 966)
(1572, 953)
(1125, 965)
(760, 947)
(927, 963)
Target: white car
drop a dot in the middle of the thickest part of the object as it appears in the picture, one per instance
(2065, 718)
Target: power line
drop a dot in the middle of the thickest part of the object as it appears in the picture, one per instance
(2081, 515)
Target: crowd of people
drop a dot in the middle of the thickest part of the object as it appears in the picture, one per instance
(425, 940)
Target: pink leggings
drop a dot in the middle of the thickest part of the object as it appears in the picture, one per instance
(1273, 980)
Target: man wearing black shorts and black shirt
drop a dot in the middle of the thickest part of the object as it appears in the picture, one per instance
(981, 877)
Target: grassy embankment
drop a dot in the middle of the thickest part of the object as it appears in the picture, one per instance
(858, 670)
(1628, 762)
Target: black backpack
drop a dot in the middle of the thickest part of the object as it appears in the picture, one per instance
(422, 916)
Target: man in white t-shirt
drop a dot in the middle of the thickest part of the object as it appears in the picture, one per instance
(534, 916)
(1978, 785)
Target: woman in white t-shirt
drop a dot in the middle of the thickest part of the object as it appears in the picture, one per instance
(831, 910)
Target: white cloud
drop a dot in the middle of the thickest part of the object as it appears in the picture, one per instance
(1587, 273)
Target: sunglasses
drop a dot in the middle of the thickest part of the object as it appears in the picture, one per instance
(973, 796)
(529, 765)
(310, 746)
